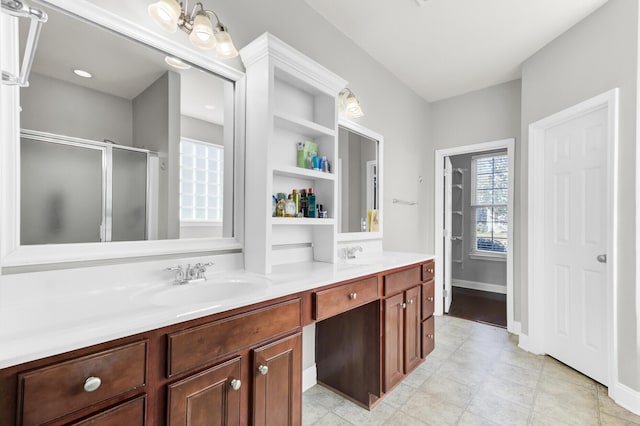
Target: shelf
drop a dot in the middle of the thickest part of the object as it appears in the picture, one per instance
(458, 212)
(299, 172)
(457, 261)
(459, 186)
(302, 221)
(301, 126)
(456, 238)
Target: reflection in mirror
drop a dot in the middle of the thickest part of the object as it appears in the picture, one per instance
(358, 182)
(120, 142)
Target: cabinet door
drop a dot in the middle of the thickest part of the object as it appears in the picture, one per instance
(412, 329)
(277, 383)
(209, 398)
(393, 340)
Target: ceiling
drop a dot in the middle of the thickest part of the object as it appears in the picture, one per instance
(444, 48)
(120, 66)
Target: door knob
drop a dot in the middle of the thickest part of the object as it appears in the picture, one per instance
(602, 258)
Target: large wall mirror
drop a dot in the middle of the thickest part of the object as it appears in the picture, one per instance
(119, 141)
(360, 181)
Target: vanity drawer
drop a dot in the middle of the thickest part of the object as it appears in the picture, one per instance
(428, 270)
(427, 299)
(401, 280)
(336, 300)
(130, 413)
(51, 392)
(198, 346)
(428, 336)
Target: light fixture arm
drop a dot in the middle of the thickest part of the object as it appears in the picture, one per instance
(211, 12)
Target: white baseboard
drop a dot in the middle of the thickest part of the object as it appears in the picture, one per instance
(625, 397)
(514, 327)
(475, 285)
(523, 342)
(309, 377)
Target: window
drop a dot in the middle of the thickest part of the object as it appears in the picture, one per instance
(201, 189)
(489, 195)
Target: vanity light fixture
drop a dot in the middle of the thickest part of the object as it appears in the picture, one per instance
(82, 73)
(171, 15)
(176, 63)
(349, 104)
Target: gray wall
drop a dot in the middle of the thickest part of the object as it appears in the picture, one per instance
(155, 120)
(482, 116)
(56, 106)
(478, 270)
(200, 130)
(598, 54)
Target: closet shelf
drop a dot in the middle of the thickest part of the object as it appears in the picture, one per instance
(291, 221)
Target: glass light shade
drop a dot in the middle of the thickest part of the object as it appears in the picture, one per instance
(352, 107)
(165, 13)
(202, 32)
(225, 48)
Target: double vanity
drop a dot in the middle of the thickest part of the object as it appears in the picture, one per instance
(227, 357)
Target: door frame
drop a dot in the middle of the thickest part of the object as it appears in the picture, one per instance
(535, 258)
(440, 154)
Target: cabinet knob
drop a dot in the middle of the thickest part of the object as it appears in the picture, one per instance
(430, 336)
(263, 369)
(353, 296)
(430, 298)
(430, 270)
(235, 384)
(411, 301)
(403, 306)
(92, 384)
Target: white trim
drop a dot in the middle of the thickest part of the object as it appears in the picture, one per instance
(608, 100)
(369, 134)
(440, 154)
(309, 377)
(488, 255)
(625, 397)
(11, 254)
(476, 285)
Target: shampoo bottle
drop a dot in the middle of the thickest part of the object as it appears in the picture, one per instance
(290, 207)
(280, 205)
(304, 203)
(311, 199)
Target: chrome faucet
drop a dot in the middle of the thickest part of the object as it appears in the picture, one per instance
(351, 251)
(190, 274)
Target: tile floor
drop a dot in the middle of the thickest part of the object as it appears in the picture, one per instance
(477, 376)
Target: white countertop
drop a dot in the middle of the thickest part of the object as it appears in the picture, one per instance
(58, 320)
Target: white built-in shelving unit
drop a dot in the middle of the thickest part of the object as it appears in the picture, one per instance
(290, 98)
(457, 237)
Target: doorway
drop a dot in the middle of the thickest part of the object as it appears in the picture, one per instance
(572, 210)
(455, 247)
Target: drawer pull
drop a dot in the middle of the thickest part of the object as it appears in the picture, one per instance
(353, 296)
(235, 384)
(263, 369)
(430, 270)
(430, 298)
(92, 384)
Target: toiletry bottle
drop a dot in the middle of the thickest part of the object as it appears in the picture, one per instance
(295, 195)
(304, 203)
(280, 205)
(289, 207)
(274, 202)
(324, 164)
(311, 200)
(300, 160)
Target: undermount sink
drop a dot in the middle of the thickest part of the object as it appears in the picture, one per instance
(216, 290)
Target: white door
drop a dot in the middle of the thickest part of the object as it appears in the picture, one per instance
(575, 224)
(448, 192)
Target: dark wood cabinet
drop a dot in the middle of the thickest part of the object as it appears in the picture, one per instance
(130, 413)
(277, 382)
(402, 343)
(211, 397)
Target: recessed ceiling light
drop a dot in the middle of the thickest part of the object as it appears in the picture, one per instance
(82, 73)
(176, 63)
(210, 107)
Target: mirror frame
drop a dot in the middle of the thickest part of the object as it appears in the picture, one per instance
(12, 254)
(370, 134)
